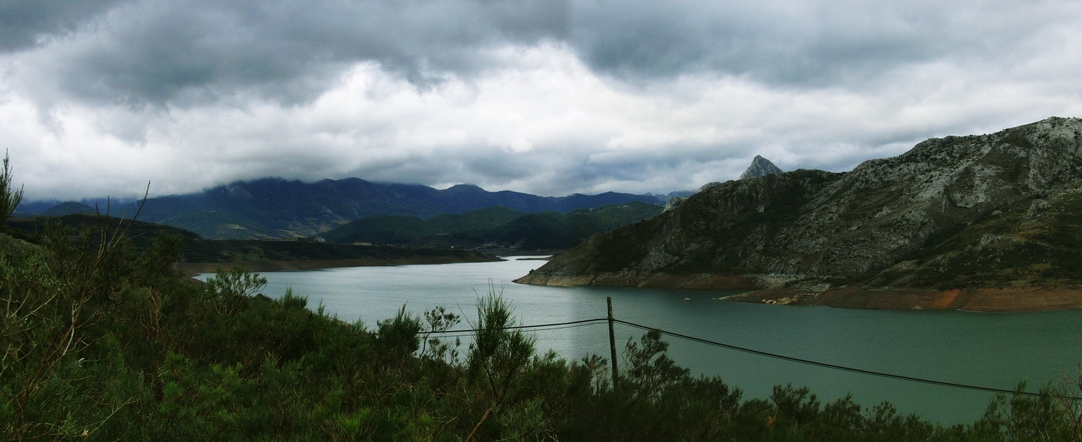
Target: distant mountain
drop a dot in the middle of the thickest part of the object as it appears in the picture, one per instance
(68, 208)
(988, 222)
(278, 208)
(28, 208)
(760, 167)
(142, 234)
(495, 227)
(203, 255)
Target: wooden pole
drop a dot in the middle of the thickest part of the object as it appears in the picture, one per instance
(612, 347)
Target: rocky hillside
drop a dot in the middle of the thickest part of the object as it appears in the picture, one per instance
(760, 167)
(956, 222)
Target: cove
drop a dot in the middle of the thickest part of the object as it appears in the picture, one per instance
(996, 350)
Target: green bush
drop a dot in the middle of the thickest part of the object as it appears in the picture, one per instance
(102, 342)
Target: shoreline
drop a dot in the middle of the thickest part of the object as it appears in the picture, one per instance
(191, 268)
(984, 300)
(988, 300)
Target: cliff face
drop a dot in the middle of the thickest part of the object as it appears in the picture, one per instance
(988, 211)
(759, 167)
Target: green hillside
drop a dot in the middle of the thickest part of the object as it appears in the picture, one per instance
(112, 343)
(994, 215)
(103, 338)
(383, 229)
(195, 249)
(476, 221)
(274, 208)
(497, 226)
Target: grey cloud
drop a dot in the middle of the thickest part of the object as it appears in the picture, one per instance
(27, 23)
(187, 52)
(799, 42)
(557, 171)
(159, 52)
(861, 80)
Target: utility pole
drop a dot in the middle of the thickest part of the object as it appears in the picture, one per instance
(612, 347)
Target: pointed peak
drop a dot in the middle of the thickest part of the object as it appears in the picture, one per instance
(760, 167)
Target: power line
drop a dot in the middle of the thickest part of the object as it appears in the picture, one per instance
(588, 322)
(539, 327)
(552, 326)
(836, 367)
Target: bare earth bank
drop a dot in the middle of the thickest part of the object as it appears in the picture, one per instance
(980, 300)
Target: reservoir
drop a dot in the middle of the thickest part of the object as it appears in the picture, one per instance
(996, 350)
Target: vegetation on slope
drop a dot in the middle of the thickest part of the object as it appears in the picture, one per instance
(195, 249)
(997, 211)
(101, 342)
(104, 340)
(1030, 243)
(273, 208)
(495, 227)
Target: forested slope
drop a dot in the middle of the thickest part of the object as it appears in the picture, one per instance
(100, 342)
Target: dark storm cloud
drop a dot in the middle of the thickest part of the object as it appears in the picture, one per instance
(192, 51)
(27, 23)
(185, 52)
(799, 42)
(549, 97)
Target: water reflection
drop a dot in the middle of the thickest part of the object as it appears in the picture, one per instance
(994, 350)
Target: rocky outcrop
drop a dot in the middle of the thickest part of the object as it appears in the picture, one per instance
(976, 212)
(760, 167)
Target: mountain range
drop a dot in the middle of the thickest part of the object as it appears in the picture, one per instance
(980, 222)
(200, 255)
(274, 208)
(493, 228)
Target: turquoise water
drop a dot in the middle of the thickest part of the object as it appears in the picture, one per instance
(988, 349)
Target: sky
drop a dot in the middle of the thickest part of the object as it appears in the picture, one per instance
(101, 97)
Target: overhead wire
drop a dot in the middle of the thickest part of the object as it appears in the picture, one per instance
(837, 367)
(539, 327)
(551, 326)
(595, 321)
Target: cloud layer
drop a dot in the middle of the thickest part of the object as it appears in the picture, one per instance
(551, 97)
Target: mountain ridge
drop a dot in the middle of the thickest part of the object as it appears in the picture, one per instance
(493, 228)
(276, 208)
(979, 212)
(759, 167)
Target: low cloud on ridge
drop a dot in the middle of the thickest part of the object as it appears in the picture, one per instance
(99, 97)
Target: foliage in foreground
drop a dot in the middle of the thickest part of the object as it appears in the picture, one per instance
(99, 342)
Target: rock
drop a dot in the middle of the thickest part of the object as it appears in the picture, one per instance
(975, 211)
(237, 192)
(759, 167)
(673, 203)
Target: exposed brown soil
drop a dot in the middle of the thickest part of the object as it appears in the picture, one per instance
(192, 268)
(980, 300)
(691, 282)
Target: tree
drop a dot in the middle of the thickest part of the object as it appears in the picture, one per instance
(9, 198)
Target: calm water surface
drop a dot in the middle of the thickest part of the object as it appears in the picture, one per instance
(993, 350)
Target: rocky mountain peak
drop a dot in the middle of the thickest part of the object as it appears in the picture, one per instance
(981, 212)
(760, 167)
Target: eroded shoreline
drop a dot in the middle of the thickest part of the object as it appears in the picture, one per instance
(1028, 299)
